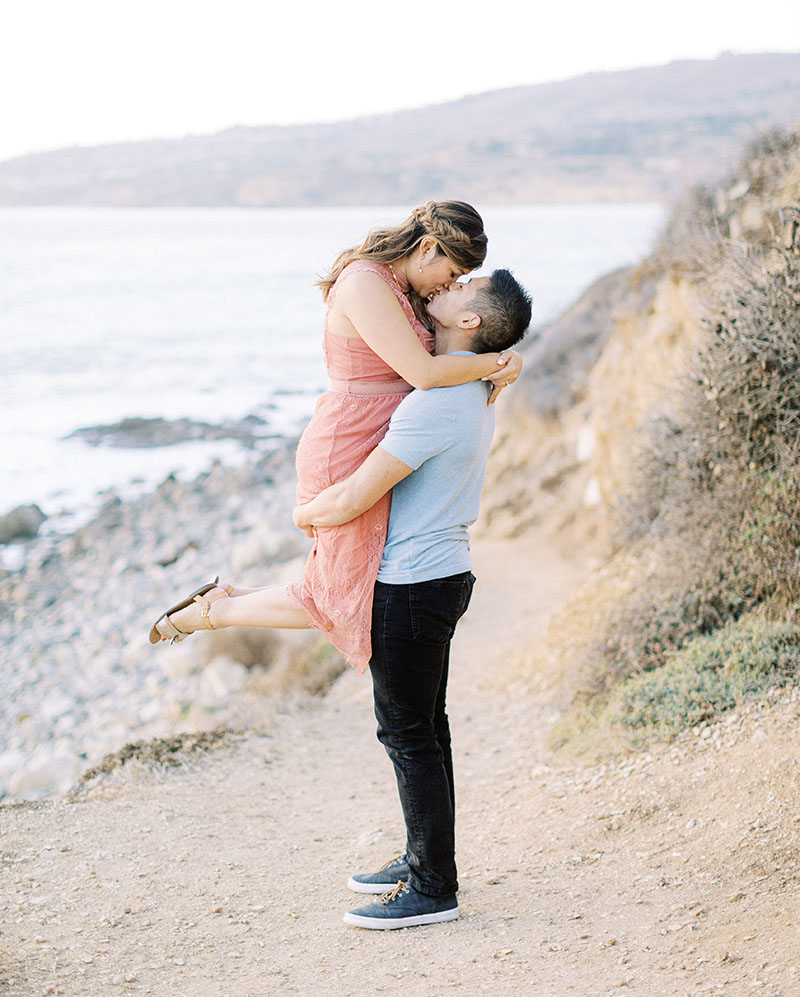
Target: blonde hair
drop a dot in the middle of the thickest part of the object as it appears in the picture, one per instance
(456, 226)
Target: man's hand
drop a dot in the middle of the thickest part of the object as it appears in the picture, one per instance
(300, 517)
(343, 501)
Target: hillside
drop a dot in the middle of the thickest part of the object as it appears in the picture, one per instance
(656, 430)
(642, 134)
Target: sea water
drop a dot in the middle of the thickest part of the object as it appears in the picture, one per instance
(210, 314)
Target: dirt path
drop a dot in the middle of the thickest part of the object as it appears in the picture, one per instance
(675, 873)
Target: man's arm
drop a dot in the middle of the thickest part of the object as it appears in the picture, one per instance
(347, 499)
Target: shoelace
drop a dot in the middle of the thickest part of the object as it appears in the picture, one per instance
(394, 893)
(394, 861)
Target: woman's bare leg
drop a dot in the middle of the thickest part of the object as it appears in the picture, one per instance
(270, 607)
(235, 592)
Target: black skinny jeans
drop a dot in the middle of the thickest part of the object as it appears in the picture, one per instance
(412, 626)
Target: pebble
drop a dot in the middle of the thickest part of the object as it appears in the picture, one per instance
(81, 678)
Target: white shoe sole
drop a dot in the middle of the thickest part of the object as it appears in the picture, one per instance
(375, 888)
(387, 923)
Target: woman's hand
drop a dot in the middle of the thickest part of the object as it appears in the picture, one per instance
(506, 374)
(301, 521)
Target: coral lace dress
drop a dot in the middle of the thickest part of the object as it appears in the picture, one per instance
(349, 421)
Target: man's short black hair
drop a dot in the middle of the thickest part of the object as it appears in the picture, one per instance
(504, 307)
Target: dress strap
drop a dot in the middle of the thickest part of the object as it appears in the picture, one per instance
(382, 270)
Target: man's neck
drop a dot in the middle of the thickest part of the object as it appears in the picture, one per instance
(449, 340)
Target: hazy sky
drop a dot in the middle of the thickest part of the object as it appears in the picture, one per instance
(90, 71)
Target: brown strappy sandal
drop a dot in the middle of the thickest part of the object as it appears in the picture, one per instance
(165, 629)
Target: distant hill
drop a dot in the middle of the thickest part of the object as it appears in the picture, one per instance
(642, 134)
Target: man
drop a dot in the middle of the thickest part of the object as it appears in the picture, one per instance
(433, 457)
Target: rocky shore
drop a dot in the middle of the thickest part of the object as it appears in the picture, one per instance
(80, 676)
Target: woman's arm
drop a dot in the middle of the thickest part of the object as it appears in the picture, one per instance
(375, 313)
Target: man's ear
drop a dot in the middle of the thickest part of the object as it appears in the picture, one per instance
(468, 320)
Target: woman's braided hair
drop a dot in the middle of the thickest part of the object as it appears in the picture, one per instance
(456, 226)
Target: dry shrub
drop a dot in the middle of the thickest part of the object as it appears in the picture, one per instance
(745, 207)
(741, 427)
(769, 166)
(692, 237)
(716, 495)
(713, 519)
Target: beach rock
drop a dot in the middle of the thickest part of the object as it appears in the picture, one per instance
(56, 704)
(146, 433)
(21, 523)
(222, 676)
(49, 771)
(85, 680)
(11, 763)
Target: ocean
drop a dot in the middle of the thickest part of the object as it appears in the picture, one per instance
(210, 314)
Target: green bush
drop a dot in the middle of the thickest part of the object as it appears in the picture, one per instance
(710, 675)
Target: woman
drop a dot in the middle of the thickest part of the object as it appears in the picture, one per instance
(377, 349)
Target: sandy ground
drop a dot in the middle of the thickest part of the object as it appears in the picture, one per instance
(669, 873)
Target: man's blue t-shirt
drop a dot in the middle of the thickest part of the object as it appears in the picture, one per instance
(445, 435)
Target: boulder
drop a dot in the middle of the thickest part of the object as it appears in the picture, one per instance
(21, 523)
